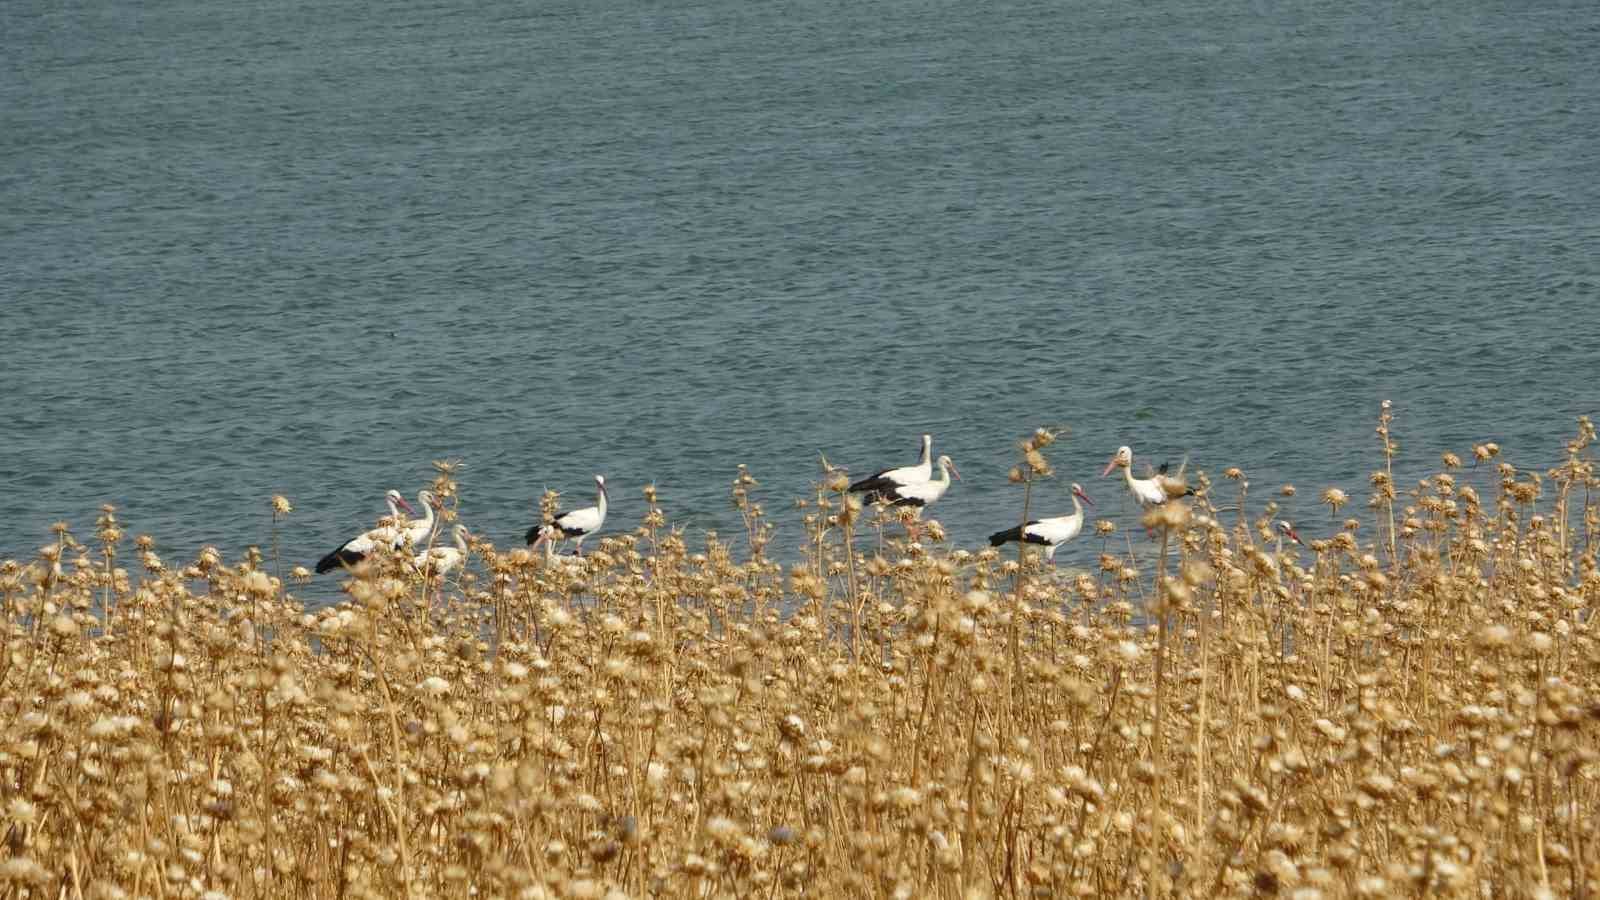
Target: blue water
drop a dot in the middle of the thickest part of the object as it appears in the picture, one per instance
(305, 247)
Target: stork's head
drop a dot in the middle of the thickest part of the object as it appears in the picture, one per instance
(946, 463)
(430, 498)
(600, 481)
(395, 499)
(1077, 491)
(1287, 530)
(1123, 457)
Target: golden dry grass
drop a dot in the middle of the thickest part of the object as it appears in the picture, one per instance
(1409, 707)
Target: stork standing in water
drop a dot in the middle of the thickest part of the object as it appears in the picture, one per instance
(578, 524)
(359, 547)
(882, 485)
(444, 560)
(1052, 533)
(1151, 491)
(923, 494)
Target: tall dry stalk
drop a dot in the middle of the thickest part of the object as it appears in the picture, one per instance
(1034, 466)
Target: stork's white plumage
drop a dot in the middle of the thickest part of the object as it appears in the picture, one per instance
(921, 495)
(444, 560)
(577, 524)
(881, 485)
(359, 547)
(416, 534)
(925, 493)
(1148, 491)
(1053, 532)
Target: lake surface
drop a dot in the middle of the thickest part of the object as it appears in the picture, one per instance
(307, 246)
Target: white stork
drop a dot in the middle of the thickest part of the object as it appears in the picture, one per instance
(1052, 533)
(578, 524)
(444, 560)
(881, 485)
(418, 533)
(923, 494)
(1148, 491)
(356, 549)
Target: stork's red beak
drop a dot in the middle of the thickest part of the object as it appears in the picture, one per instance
(406, 506)
(955, 471)
(1109, 466)
(1084, 497)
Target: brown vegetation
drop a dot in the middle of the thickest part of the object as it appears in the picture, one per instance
(1407, 707)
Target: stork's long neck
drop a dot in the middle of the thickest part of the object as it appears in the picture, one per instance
(600, 503)
(1127, 473)
(394, 509)
(927, 454)
(427, 510)
(1077, 508)
(944, 475)
(461, 539)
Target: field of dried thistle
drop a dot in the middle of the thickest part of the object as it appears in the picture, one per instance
(1410, 707)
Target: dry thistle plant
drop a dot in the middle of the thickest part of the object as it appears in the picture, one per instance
(1384, 711)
